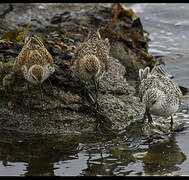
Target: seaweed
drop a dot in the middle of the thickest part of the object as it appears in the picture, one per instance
(15, 36)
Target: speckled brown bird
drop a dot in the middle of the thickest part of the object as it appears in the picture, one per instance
(91, 59)
(34, 61)
(159, 93)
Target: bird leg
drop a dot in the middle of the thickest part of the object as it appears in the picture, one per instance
(51, 85)
(48, 92)
(147, 113)
(144, 118)
(29, 93)
(149, 116)
(171, 123)
(89, 93)
(96, 84)
(41, 90)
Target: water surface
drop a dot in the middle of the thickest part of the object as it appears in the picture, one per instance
(131, 155)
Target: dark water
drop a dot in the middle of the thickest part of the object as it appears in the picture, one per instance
(132, 155)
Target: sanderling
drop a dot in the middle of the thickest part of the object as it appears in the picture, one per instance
(159, 93)
(91, 60)
(34, 61)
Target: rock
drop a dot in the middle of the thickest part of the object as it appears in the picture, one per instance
(64, 114)
(65, 111)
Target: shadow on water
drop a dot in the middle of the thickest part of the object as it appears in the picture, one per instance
(163, 158)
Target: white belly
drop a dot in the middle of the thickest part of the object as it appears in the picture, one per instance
(165, 111)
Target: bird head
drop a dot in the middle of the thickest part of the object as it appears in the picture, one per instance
(92, 63)
(35, 74)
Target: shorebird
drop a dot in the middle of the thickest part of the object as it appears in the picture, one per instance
(159, 93)
(91, 60)
(34, 61)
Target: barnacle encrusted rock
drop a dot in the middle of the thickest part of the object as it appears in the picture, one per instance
(65, 110)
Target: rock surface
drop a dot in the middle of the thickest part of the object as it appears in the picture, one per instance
(64, 111)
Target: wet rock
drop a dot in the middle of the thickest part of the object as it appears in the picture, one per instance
(65, 111)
